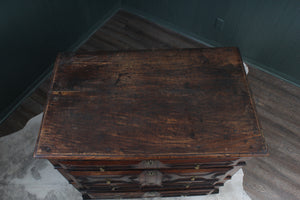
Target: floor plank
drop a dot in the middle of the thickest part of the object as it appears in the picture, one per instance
(275, 177)
(278, 108)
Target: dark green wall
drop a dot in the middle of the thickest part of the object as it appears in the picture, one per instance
(266, 31)
(33, 32)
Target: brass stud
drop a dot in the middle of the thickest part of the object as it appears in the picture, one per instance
(101, 169)
(108, 182)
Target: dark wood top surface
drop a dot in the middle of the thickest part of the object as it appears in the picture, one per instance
(150, 105)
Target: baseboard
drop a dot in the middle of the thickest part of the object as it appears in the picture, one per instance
(32, 87)
(272, 72)
(211, 43)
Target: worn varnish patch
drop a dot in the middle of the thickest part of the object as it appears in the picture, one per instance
(150, 104)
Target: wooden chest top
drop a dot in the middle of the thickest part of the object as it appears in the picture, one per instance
(161, 104)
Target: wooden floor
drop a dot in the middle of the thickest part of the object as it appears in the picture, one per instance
(277, 102)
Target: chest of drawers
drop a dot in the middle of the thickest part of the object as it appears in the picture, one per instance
(149, 123)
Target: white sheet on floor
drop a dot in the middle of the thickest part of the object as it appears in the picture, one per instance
(23, 177)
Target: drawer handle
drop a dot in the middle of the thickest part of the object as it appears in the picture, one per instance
(197, 167)
(193, 178)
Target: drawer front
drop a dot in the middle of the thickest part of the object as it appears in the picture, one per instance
(137, 187)
(166, 193)
(186, 182)
(182, 185)
(149, 180)
(147, 164)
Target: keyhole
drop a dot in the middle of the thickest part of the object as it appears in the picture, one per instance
(150, 173)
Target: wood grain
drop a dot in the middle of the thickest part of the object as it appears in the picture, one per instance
(150, 104)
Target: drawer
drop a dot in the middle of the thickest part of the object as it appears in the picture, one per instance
(193, 181)
(150, 177)
(137, 187)
(146, 164)
(140, 194)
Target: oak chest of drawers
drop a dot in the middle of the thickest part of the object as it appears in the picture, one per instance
(149, 123)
